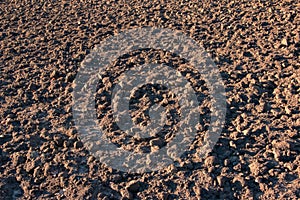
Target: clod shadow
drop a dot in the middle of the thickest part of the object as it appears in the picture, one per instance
(10, 188)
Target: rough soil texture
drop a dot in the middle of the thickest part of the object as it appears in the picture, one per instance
(255, 45)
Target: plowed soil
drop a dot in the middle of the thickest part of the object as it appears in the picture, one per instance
(255, 45)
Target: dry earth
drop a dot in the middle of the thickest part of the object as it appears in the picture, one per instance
(255, 45)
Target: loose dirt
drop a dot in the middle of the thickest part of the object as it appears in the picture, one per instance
(255, 45)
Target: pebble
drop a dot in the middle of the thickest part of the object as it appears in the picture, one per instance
(126, 194)
(37, 172)
(30, 165)
(197, 190)
(240, 180)
(46, 169)
(18, 159)
(210, 161)
(54, 74)
(78, 144)
(157, 142)
(232, 144)
(220, 181)
(254, 168)
(284, 42)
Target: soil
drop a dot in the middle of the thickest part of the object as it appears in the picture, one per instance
(255, 45)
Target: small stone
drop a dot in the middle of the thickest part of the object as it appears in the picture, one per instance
(258, 180)
(211, 169)
(281, 145)
(19, 177)
(46, 169)
(67, 143)
(172, 168)
(78, 145)
(237, 167)
(126, 194)
(254, 168)
(289, 166)
(287, 110)
(220, 180)
(18, 159)
(239, 179)
(277, 155)
(114, 186)
(69, 77)
(54, 74)
(284, 42)
(157, 142)
(62, 181)
(37, 172)
(30, 166)
(197, 190)
(226, 162)
(71, 132)
(163, 195)
(232, 144)
(209, 161)
(246, 131)
(90, 159)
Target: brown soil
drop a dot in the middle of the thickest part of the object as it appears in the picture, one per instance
(255, 45)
